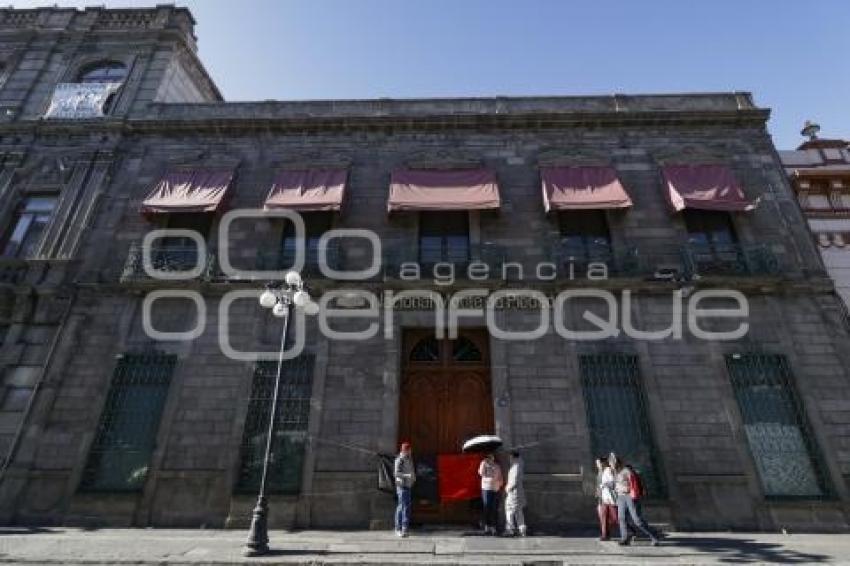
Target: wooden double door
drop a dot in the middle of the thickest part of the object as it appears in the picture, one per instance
(446, 398)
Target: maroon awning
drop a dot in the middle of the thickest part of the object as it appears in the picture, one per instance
(455, 189)
(308, 190)
(189, 190)
(582, 188)
(704, 187)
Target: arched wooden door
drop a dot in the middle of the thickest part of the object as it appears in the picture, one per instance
(445, 399)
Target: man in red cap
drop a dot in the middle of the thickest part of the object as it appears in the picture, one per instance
(405, 476)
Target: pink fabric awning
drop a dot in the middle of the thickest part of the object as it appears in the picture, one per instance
(308, 190)
(704, 187)
(455, 189)
(582, 188)
(189, 190)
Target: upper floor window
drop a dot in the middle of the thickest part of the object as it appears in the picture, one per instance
(110, 72)
(315, 225)
(27, 226)
(444, 237)
(710, 229)
(106, 72)
(180, 253)
(91, 94)
(584, 235)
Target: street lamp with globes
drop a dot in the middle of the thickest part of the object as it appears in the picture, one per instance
(282, 298)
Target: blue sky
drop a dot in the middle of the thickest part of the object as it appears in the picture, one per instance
(793, 55)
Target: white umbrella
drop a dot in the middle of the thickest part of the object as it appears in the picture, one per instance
(483, 443)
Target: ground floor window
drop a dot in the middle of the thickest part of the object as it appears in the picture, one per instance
(293, 412)
(782, 446)
(126, 433)
(616, 414)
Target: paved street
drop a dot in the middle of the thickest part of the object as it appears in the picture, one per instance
(153, 546)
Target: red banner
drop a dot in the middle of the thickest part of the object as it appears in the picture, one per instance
(458, 476)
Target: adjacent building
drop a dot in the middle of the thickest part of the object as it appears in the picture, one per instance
(110, 129)
(820, 175)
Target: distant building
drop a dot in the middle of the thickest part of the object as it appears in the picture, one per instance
(110, 129)
(819, 171)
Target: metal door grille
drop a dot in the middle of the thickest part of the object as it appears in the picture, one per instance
(126, 432)
(616, 414)
(293, 414)
(780, 441)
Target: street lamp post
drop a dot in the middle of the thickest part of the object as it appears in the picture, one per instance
(282, 298)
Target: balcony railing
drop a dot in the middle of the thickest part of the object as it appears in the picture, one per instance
(575, 261)
(397, 253)
(732, 260)
(283, 259)
(168, 259)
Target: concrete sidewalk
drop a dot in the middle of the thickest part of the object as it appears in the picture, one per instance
(194, 547)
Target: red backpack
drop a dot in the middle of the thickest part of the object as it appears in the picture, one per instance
(636, 488)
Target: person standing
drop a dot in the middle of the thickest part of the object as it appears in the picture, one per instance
(625, 503)
(405, 477)
(606, 499)
(491, 482)
(515, 497)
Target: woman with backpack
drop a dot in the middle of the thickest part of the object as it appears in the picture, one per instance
(623, 485)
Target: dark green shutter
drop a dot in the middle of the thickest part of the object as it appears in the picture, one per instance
(776, 428)
(616, 414)
(293, 414)
(126, 433)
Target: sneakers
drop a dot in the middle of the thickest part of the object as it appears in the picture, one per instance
(523, 531)
(398, 533)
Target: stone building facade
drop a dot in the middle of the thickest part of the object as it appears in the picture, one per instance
(103, 424)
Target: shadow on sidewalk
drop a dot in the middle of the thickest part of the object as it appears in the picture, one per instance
(28, 531)
(742, 551)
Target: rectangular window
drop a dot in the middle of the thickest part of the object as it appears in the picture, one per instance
(584, 235)
(315, 225)
(444, 237)
(709, 228)
(782, 446)
(178, 253)
(28, 226)
(616, 414)
(126, 434)
(712, 243)
(290, 431)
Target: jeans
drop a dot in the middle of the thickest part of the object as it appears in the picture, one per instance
(625, 502)
(491, 507)
(402, 510)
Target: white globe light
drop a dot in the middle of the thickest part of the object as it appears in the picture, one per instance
(301, 298)
(268, 299)
(279, 310)
(293, 279)
(311, 308)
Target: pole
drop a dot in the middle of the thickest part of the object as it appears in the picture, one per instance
(258, 536)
